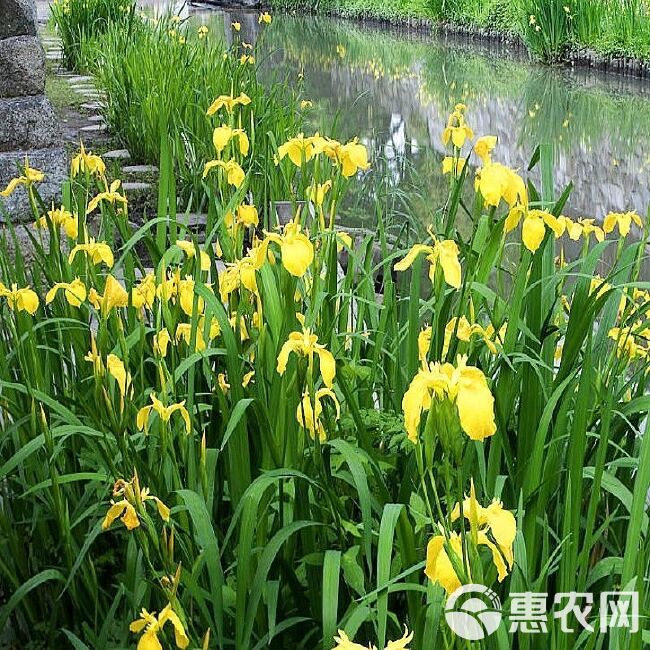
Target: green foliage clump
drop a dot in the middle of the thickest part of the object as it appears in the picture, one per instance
(77, 21)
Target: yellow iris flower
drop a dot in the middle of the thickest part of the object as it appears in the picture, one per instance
(164, 413)
(184, 333)
(144, 293)
(114, 296)
(343, 642)
(351, 157)
(235, 175)
(299, 149)
(86, 161)
(533, 229)
(444, 252)
(496, 182)
(115, 368)
(160, 342)
(24, 299)
(60, 218)
(223, 134)
(264, 17)
(245, 216)
(153, 625)
(483, 148)
(457, 130)
(464, 386)
(74, 292)
(493, 527)
(626, 345)
(295, 247)
(306, 344)
(228, 102)
(28, 177)
(309, 418)
(453, 166)
(186, 296)
(133, 498)
(464, 331)
(240, 273)
(189, 249)
(623, 220)
(111, 195)
(98, 252)
(316, 193)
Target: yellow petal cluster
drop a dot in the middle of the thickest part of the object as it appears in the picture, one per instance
(110, 195)
(97, 251)
(133, 499)
(444, 252)
(153, 625)
(308, 416)
(74, 292)
(59, 218)
(464, 386)
(295, 247)
(492, 527)
(86, 162)
(306, 344)
(228, 102)
(28, 177)
(164, 413)
(457, 131)
(20, 299)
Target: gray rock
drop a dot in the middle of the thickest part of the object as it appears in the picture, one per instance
(18, 18)
(27, 123)
(22, 67)
(51, 161)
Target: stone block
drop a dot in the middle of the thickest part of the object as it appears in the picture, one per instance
(22, 66)
(52, 161)
(27, 123)
(17, 18)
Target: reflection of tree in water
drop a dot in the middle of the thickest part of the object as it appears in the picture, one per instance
(599, 124)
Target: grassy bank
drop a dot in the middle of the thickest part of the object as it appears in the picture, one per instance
(552, 30)
(259, 435)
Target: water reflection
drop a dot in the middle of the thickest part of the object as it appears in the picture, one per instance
(396, 90)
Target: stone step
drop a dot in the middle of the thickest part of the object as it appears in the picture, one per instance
(81, 79)
(92, 106)
(94, 128)
(137, 170)
(193, 219)
(82, 90)
(136, 186)
(117, 154)
(96, 118)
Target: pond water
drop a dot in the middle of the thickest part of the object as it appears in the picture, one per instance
(395, 89)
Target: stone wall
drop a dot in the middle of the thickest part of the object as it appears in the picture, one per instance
(28, 125)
